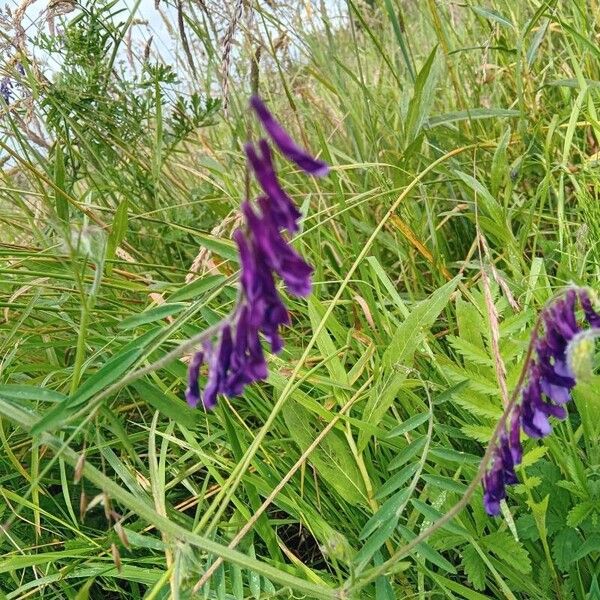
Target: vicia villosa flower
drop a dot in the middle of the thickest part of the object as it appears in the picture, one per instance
(551, 374)
(236, 358)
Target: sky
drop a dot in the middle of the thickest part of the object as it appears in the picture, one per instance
(35, 16)
(36, 12)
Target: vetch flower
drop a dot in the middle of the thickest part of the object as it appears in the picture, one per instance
(278, 253)
(551, 375)
(236, 359)
(285, 143)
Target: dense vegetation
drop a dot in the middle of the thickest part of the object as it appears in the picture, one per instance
(464, 145)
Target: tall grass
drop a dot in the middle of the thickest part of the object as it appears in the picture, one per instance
(464, 146)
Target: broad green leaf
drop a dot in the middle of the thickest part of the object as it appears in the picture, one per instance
(505, 547)
(472, 354)
(433, 514)
(499, 173)
(579, 513)
(453, 456)
(532, 51)
(410, 424)
(396, 481)
(488, 204)
(333, 458)
(151, 315)
(217, 245)
(374, 543)
(409, 334)
(474, 567)
(388, 511)
(423, 97)
(445, 483)
(30, 392)
(492, 15)
(197, 288)
(407, 453)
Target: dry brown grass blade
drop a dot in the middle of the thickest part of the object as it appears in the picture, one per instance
(409, 234)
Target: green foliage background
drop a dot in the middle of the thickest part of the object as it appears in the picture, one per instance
(464, 145)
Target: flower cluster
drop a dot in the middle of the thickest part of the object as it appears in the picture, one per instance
(551, 375)
(237, 359)
(6, 89)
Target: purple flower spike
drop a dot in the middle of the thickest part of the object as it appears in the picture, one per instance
(238, 359)
(548, 390)
(285, 143)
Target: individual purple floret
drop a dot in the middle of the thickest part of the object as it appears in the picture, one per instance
(279, 255)
(283, 210)
(6, 89)
(285, 143)
(550, 380)
(237, 358)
